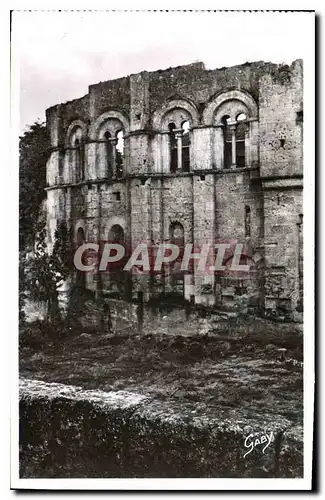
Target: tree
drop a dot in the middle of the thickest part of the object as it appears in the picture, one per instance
(45, 272)
(62, 255)
(41, 277)
(34, 148)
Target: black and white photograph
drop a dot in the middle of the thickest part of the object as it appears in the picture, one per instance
(166, 212)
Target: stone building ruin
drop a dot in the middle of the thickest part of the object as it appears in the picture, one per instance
(190, 155)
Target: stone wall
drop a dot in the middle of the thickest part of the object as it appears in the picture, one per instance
(209, 201)
(113, 315)
(122, 434)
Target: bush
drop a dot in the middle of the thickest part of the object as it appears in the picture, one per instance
(40, 333)
(34, 335)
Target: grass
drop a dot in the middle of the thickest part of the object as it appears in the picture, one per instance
(197, 370)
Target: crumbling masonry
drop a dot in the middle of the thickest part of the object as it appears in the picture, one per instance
(192, 156)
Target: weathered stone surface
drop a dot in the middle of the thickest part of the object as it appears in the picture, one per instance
(291, 457)
(209, 201)
(69, 432)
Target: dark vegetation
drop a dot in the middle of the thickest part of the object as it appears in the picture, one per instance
(210, 370)
(217, 369)
(230, 374)
(202, 393)
(34, 147)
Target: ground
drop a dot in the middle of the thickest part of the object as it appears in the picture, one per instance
(199, 368)
(199, 395)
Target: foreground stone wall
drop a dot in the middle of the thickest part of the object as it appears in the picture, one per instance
(123, 318)
(115, 315)
(69, 432)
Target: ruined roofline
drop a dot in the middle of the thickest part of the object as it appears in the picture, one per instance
(191, 66)
(85, 96)
(195, 65)
(199, 66)
(259, 63)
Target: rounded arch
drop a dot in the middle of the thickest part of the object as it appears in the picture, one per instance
(230, 109)
(81, 237)
(73, 127)
(244, 99)
(159, 114)
(95, 127)
(112, 127)
(113, 221)
(80, 228)
(116, 234)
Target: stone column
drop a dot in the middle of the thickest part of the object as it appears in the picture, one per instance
(113, 141)
(179, 135)
(232, 127)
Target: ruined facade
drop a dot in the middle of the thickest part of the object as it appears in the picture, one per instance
(188, 155)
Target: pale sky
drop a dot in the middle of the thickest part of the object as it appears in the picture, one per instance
(61, 53)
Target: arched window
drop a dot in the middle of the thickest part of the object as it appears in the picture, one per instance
(179, 147)
(186, 142)
(237, 137)
(80, 237)
(227, 142)
(74, 155)
(240, 140)
(79, 159)
(172, 147)
(117, 276)
(108, 132)
(176, 146)
(234, 134)
(119, 157)
(108, 155)
(116, 234)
